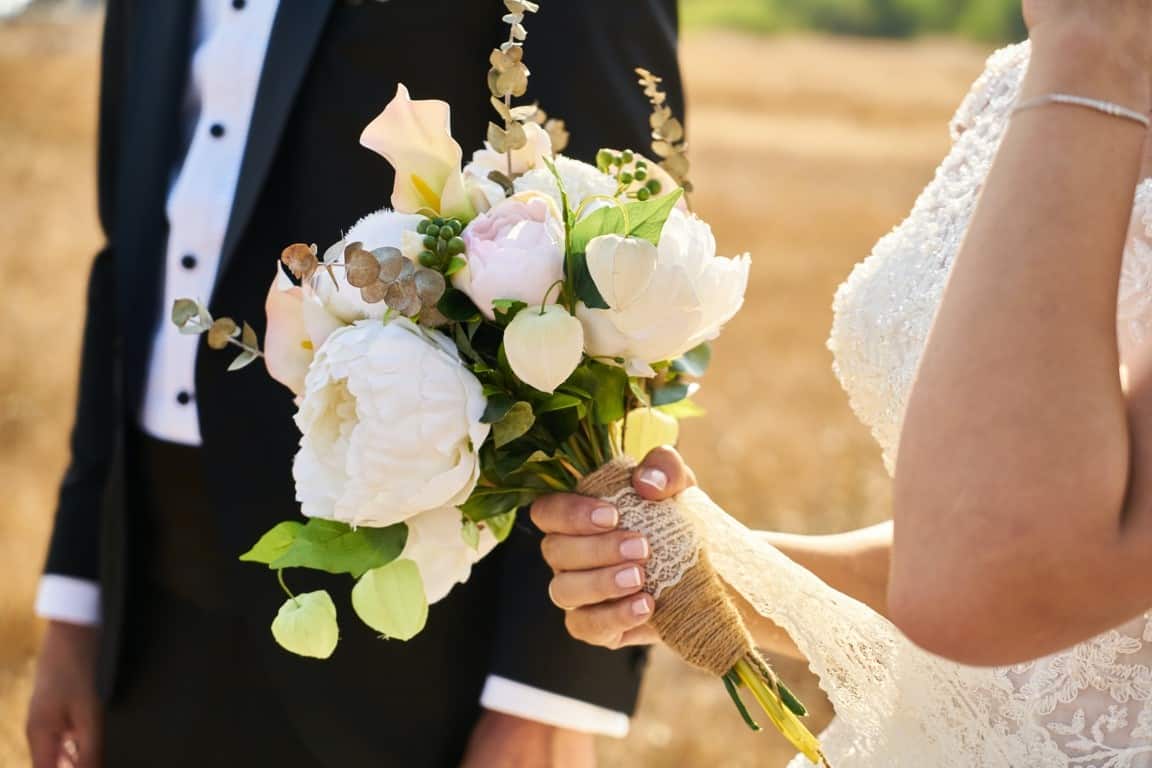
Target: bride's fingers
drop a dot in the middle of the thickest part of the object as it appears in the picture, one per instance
(612, 624)
(579, 553)
(574, 515)
(576, 589)
(662, 475)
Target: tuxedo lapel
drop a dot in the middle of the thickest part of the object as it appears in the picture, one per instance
(295, 34)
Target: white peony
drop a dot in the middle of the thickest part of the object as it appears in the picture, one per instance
(381, 229)
(391, 426)
(581, 182)
(664, 299)
(436, 544)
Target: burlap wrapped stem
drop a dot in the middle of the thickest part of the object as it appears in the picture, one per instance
(694, 615)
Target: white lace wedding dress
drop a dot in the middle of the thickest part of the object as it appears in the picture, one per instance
(897, 706)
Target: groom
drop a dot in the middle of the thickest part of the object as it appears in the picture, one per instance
(228, 128)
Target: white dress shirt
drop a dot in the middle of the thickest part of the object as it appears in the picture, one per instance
(230, 41)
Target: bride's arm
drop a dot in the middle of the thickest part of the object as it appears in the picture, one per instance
(1022, 502)
(587, 553)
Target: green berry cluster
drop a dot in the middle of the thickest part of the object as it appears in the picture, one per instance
(442, 242)
(630, 172)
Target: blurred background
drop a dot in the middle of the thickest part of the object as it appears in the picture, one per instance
(814, 124)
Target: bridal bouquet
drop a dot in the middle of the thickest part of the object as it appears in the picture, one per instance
(514, 326)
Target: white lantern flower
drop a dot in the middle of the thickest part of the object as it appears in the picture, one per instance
(544, 346)
(391, 427)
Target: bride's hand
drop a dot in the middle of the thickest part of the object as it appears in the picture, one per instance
(599, 570)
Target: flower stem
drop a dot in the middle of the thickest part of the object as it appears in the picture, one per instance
(283, 586)
(245, 347)
(783, 718)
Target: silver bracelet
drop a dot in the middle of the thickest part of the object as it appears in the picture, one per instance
(1104, 107)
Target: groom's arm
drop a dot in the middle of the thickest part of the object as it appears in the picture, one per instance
(69, 590)
(539, 671)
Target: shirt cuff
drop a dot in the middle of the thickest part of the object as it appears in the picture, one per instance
(66, 598)
(520, 700)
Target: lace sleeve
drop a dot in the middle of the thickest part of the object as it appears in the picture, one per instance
(1002, 70)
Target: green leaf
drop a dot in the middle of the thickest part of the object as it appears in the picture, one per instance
(455, 305)
(306, 625)
(694, 362)
(559, 402)
(391, 600)
(645, 221)
(470, 532)
(487, 503)
(683, 409)
(515, 424)
(583, 286)
(274, 544)
(507, 309)
(326, 545)
(455, 265)
(501, 525)
(464, 343)
(499, 403)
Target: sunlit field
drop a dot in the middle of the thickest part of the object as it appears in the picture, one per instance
(805, 149)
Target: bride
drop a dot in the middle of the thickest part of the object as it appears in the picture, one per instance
(1023, 492)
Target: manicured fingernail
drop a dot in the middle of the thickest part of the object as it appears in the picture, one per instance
(634, 549)
(640, 607)
(605, 517)
(629, 578)
(653, 478)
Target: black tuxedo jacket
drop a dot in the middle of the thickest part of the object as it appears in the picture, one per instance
(330, 68)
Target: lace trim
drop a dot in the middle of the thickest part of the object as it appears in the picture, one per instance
(674, 541)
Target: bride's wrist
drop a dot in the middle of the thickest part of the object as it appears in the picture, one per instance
(1096, 59)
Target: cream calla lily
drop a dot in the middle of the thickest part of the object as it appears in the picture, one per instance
(297, 325)
(647, 429)
(416, 137)
(544, 346)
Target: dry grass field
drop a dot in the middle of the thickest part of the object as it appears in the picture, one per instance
(806, 151)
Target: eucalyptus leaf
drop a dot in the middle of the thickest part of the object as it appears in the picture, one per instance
(645, 220)
(184, 310)
(243, 360)
(515, 424)
(274, 544)
(694, 362)
(327, 545)
(673, 393)
(391, 600)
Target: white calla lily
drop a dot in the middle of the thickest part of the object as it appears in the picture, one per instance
(416, 138)
(544, 346)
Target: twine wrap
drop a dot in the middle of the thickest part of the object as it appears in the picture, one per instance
(694, 615)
